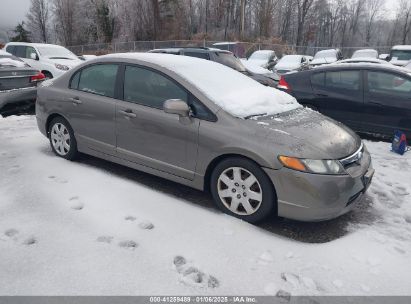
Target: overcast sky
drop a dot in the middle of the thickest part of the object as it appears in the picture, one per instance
(14, 11)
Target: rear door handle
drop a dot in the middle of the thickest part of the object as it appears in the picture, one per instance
(75, 100)
(128, 113)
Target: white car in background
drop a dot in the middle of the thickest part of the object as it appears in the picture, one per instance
(400, 55)
(263, 58)
(291, 63)
(366, 53)
(52, 60)
(326, 57)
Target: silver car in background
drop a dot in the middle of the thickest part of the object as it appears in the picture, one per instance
(18, 85)
(204, 125)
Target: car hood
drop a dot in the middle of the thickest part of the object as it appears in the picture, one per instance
(305, 133)
(399, 62)
(71, 63)
(319, 61)
(259, 62)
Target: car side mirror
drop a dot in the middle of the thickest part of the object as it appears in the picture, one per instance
(34, 56)
(176, 106)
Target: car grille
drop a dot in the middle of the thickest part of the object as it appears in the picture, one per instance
(355, 159)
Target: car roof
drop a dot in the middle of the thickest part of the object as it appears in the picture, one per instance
(366, 51)
(264, 51)
(369, 66)
(402, 47)
(328, 51)
(193, 49)
(33, 44)
(225, 43)
(363, 60)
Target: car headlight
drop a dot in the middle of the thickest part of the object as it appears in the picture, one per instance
(62, 67)
(312, 165)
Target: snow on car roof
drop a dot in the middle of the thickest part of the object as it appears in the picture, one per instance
(264, 52)
(234, 92)
(363, 60)
(402, 47)
(225, 43)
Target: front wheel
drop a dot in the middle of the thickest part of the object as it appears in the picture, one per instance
(62, 140)
(242, 189)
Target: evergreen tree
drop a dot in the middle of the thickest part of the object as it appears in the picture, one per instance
(22, 35)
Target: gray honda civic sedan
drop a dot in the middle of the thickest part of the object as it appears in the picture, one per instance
(207, 126)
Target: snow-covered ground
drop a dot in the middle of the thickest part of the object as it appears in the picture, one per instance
(88, 228)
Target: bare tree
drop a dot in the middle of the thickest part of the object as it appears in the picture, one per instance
(405, 15)
(372, 8)
(38, 20)
(303, 8)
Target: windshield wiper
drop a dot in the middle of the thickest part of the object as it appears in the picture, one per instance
(255, 115)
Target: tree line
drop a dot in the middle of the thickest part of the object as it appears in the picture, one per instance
(325, 23)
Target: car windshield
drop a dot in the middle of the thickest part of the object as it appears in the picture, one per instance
(326, 54)
(231, 61)
(260, 55)
(401, 54)
(56, 52)
(293, 59)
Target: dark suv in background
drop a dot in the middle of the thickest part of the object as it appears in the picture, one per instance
(224, 57)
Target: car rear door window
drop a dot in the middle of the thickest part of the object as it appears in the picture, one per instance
(343, 80)
(388, 83)
(98, 79)
(149, 88)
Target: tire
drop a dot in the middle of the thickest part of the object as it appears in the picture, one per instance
(236, 197)
(62, 140)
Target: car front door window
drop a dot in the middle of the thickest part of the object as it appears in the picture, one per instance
(149, 88)
(387, 83)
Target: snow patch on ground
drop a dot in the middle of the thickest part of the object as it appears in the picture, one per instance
(131, 239)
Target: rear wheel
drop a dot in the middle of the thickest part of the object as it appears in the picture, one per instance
(241, 188)
(62, 139)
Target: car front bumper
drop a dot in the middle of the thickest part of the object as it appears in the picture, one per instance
(315, 197)
(12, 100)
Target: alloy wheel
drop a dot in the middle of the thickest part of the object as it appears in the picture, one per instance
(240, 191)
(60, 139)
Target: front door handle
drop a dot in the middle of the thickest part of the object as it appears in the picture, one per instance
(128, 113)
(75, 100)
